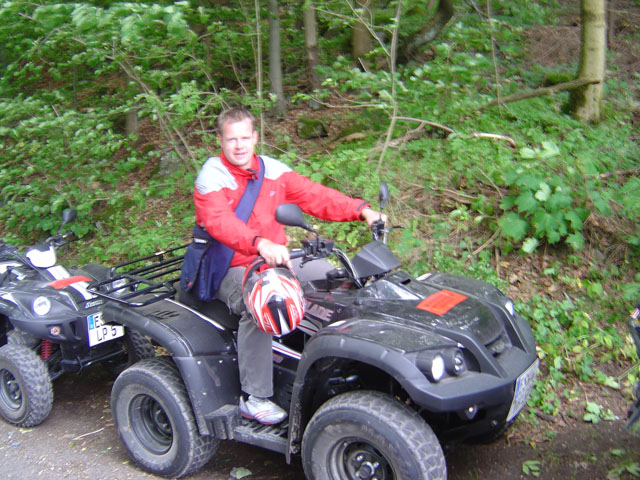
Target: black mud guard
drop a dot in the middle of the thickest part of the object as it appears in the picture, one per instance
(448, 395)
(203, 350)
(9, 310)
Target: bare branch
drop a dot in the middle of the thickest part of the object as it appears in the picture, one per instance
(538, 92)
(423, 122)
(495, 136)
(392, 64)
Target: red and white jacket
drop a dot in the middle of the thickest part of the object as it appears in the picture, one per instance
(220, 186)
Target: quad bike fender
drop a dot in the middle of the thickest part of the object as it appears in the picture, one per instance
(40, 327)
(5, 326)
(9, 310)
(449, 395)
(203, 350)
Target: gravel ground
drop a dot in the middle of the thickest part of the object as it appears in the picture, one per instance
(78, 441)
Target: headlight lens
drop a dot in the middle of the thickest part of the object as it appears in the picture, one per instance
(432, 364)
(455, 362)
(508, 305)
(41, 306)
(437, 368)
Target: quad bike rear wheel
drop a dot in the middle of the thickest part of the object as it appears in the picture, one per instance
(366, 435)
(153, 415)
(26, 393)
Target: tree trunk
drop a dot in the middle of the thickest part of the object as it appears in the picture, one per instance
(433, 27)
(311, 43)
(584, 103)
(361, 42)
(131, 121)
(611, 24)
(275, 68)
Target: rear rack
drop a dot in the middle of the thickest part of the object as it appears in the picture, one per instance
(143, 281)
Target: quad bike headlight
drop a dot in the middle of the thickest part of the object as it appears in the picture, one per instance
(454, 362)
(432, 364)
(508, 305)
(41, 306)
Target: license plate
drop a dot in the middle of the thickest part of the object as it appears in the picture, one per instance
(102, 332)
(524, 385)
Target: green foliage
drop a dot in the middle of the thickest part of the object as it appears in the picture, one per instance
(71, 72)
(570, 337)
(626, 464)
(531, 467)
(49, 150)
(594, 413)
(545, 199)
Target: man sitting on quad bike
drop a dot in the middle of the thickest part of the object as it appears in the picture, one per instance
(236, 196)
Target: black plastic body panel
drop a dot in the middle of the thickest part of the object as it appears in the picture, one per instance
(203, 350)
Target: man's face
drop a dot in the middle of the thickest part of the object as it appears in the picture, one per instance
(238, 140)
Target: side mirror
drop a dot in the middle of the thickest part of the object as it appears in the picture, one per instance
(383, 195)
(68, 215)
(289, 214)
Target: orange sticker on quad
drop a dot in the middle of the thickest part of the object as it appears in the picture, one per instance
(441, 302)
(65, 282)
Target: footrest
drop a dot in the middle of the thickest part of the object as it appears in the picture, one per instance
(272, 437)
(228, 424)
(224, 421)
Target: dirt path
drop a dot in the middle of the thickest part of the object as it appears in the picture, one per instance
(78, 441)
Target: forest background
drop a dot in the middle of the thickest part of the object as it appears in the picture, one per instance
(109, 108)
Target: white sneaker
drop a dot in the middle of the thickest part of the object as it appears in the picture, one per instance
(262, 409)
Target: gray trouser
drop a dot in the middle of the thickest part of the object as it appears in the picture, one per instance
(255, 358)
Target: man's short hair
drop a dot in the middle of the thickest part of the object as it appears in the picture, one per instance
(235, 114)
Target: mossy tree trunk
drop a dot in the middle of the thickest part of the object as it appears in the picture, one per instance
(275, 66)
(585, 102)
(431, 29)
(311, 43)
(361, 41)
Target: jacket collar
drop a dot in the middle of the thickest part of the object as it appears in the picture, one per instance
(241, 172)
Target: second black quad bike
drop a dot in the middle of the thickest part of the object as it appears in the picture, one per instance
(383, 370)
(634, 329)
(50, 324)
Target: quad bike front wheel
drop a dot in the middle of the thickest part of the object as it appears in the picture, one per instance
(26, 393)
(154, 418)
(366, 435)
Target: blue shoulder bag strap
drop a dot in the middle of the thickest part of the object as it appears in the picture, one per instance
(218, 256)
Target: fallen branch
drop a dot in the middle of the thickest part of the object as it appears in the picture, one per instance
(621, 173)
(422, 123)
(572, 85)
(87, 434)
(545, 417)
(459, 197)
(491, 182)
(495, 136)
(487, 243)
(410, 136)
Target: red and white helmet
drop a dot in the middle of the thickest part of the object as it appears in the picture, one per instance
(274, 300)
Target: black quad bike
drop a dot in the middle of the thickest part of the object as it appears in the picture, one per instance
(384, 369)
(50, 324)
(634, 329)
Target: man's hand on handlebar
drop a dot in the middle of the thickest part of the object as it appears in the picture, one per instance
(274, 254)
(369, 215)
